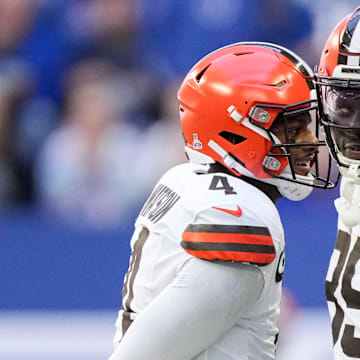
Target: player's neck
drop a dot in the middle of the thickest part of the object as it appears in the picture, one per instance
(270, 190)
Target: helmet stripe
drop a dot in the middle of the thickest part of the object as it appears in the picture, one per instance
(300, 65)
(354, 29)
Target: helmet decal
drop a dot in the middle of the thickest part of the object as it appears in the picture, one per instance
(197, 144)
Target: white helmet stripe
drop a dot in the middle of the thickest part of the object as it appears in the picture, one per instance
(355, 46)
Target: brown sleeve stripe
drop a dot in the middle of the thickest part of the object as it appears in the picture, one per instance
(252, 258)
(251, 248)
(228, 229)
(239, 238)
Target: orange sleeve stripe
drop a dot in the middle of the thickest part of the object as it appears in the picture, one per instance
(254, 258)
(227, 238)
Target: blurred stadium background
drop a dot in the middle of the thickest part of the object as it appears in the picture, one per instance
(88, 122)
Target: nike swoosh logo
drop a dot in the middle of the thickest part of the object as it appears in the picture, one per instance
(236, 212)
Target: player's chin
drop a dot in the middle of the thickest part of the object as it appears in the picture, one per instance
(302, 168)
(352, 152)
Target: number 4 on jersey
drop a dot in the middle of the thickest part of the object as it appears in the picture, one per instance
(221, 183)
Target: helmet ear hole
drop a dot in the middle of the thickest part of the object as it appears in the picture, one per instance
(232, 137)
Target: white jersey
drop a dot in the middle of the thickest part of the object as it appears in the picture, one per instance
(227, 235)
(343, 289)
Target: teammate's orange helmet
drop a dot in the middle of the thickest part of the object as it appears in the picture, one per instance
(338, 88)
(229, 101)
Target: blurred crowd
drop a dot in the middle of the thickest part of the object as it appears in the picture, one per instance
(88, 109)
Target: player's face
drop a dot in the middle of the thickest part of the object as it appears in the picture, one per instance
(298, 131)
(343, 108)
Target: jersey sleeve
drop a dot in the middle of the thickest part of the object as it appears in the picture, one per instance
(229, 233)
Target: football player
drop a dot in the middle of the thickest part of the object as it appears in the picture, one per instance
(338, 88)
(205, 273)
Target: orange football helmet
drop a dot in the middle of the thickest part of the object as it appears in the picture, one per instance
(337, 80)
(228, 103)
